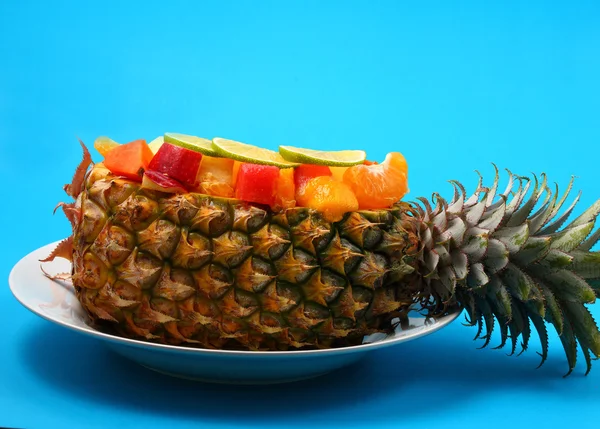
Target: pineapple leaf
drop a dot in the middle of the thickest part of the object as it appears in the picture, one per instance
(523, 212)
(557, 259)
(553, 312)
(477, 276)
(586, 264)
(518, 196)
(521, 270)
(513, 237)
(584, 326)
(562, 200)
(542, 331)
(567, 338)
(587, 216)
(493, 217)
(460, 263)
(534, 250)
(476, 242)
(456, 231)
(539, 219)
(518, 283)
(557, 223)
(488, 316)
(569, 239)
(474, 213)
(566, 285)
(590, 241)
(492, 193)
(516, 325)
(497, 256)
(456, 206)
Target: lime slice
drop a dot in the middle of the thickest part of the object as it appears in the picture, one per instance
(197, 144)
(341, 158)
(248, 153)
(155, 144)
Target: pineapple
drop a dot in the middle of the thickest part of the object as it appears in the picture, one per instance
(204, 271)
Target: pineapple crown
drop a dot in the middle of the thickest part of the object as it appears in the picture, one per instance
(502, 263)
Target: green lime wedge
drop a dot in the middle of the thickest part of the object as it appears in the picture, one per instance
(197, 144)
(248, 153)
(341, 158)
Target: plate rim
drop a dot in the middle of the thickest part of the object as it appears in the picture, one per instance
(91, 332)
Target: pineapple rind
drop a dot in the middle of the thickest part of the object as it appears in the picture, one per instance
(212, 272)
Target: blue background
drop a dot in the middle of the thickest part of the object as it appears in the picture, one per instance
(452, 85)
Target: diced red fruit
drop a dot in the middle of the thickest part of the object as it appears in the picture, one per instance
(178, 163)
(285, 194)
(161, 182)
(215, 176)
(257, 183)
(129, 159)
(304, 172)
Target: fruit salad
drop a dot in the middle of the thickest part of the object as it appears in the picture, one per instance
(331, 182)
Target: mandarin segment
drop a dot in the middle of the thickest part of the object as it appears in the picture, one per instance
(379, 186)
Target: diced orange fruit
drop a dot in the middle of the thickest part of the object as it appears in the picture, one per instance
(338, 173)
(330, 197)
(379, 185)
(215, 176)
(129, 160)
(304, 172)
(236, 169)
(285, 197)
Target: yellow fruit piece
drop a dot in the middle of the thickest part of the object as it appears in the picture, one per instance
(328, 196)
(155, 144)
(236, 170)
(338, 173)
(285, 189)
(104, 144)
(215, 176)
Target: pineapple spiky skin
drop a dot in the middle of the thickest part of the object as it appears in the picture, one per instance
(214, 272)
(202, 271)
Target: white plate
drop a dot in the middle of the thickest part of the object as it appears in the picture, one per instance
(56, 302)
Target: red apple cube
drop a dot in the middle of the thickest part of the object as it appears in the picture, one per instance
(161, 182)
(178, 163)
(303, 173)
(257, 183)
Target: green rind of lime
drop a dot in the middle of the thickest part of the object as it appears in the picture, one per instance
(249, 153)
(197, 144)
(341, 158)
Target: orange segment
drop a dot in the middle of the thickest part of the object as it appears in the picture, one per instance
(330, 197)
(379, 185)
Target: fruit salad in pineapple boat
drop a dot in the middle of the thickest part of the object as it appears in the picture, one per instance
(225, 245)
